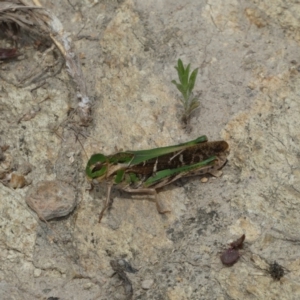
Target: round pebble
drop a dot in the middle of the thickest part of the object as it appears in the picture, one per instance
(17, 181)
(51, 199)
(146, 284)
(204, 179)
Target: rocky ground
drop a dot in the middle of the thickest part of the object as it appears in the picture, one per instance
(248, 57)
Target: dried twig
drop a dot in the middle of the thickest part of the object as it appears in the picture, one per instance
(31, 16)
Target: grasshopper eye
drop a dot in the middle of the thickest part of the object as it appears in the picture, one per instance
(97, 167)
(98, 170)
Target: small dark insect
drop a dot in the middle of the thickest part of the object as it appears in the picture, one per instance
(8, 53)
(231, 255)
(276, 271)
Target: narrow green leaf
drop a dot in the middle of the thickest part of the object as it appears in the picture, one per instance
(174, 82)
(180, 70)
(182, 90)
(185, 79)
(192, 80)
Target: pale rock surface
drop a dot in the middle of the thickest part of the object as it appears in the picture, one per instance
(248, 58)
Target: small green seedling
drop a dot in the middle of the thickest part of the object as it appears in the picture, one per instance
(185, 87)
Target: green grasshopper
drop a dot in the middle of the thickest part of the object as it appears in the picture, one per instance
(145, 171)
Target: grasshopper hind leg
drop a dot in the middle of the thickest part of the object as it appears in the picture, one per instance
(133, 191)
(150, 192)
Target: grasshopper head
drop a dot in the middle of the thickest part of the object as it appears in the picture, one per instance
(97, 166)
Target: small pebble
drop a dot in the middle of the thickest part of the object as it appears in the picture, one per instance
(204, 179)
(87, 286)
(146, 284)
(37, 273)
(230, 256)
(51, 199)
(17, 181)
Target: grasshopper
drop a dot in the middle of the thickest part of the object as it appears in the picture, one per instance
(145, 171)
